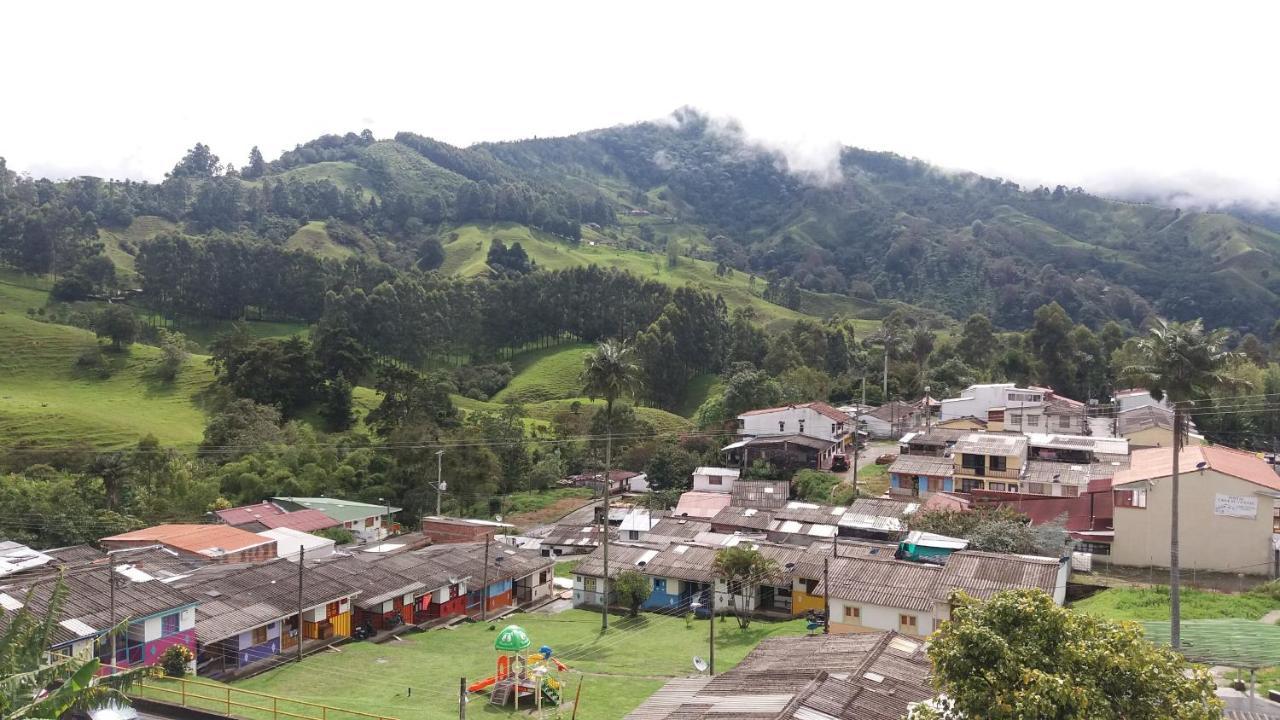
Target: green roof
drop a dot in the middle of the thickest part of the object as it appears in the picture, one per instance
(340, 510)
(511, 639)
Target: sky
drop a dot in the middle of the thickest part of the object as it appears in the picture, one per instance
(1119, 98)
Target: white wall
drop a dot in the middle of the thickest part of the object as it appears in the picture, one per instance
(877, 617)
(815, 424)
(702, 483)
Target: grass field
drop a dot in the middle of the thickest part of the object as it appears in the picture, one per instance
(122, 244)
(873, 480)
(700, 388)
(1153, 604)
(45, 399)
(313, 238)
(617, 670)
(466, 256)
(548, 374)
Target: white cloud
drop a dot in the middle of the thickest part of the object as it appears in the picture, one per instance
(1104, 95)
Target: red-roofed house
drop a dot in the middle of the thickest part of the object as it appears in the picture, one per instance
(215, 543)
(268, 516)
(807, 434)
(1227, 505)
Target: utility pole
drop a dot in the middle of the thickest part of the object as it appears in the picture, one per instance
(1175, 565)
(604, 523)
(856, 442)
(484, 591)
(826, 596)
(462, 698)
(111, 590)
(302, 551)
(711, 620)
(439, 482)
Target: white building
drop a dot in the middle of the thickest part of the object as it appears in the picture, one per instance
(1005, 406)
(1133, 398)
(288, 542)
(815, 419)
(715, 479)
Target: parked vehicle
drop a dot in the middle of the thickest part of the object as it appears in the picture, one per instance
(839, 463)
(364, 632)
(886, 459)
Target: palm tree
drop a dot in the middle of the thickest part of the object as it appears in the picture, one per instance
(742, 569)
(34, 686)
(609, 372)
(1181, 362)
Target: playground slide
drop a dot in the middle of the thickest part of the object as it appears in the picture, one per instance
(479, 685)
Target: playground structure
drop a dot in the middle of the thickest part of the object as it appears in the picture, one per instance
(522, 675)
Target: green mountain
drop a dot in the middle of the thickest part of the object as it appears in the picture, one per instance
(881, 228)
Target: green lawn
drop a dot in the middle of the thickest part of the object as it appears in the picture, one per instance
(546, 374)
(313, 238)
(873, 479)
(1153, 604)
(617, 670)
(45, 399)
(466, 253)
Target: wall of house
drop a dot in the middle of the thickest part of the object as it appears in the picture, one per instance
(444, 532)
(665, 593)
(249, 652)
(875, 618)
(1208, 541)
(815, 424)
(900, 484)
(587, 591)
(713, 483)
(1152, 437)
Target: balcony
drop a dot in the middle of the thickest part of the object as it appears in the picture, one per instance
(988, 473)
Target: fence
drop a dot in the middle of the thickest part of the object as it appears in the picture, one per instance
(234, 702)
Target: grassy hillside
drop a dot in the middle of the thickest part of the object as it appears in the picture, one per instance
(548, 374)
(122, 245)
(46, 399)
(343, 174)
(467, 246)
(313, 238)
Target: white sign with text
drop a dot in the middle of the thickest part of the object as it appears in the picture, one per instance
(1240, 506)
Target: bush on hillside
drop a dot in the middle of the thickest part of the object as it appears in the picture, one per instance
(338, 535)
(481, 382)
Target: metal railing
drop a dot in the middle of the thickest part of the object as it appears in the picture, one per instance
(235, 702)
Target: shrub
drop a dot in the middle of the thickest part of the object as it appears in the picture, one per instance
(339, 535)
(174, 660)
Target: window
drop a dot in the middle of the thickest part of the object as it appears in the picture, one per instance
(809, 585)
(998, 487)
(715, 480)
(852, 613)
(1033, 421)
(801, 421)
(260, 635)
(333, 609)
(782, 426)
(589, 584)
(1097, 548)
(907, 624)
(999, 462)
(542, 578)
(833, 428)
(169, 624)
(1131, 498)
(1064, 421)
(1015, 418)
(660, 586)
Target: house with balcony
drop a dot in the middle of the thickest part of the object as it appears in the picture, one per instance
(1007, 407)
(801, 435)
(988, 461)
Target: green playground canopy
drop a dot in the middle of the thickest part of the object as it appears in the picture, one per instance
(1235, 643)
(511, 639)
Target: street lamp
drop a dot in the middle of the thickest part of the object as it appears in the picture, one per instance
(388, 503)
(440, 485)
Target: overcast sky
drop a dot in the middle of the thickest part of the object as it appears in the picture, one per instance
(1108, 95)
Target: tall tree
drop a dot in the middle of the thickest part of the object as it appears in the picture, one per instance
(1181, 362)
(742, 569)
(1050, 340)
(256, 166)
(977, 343)
(1019, 655)
(609, 372)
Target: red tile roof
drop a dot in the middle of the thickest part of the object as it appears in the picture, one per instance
(1153, 463)
(819, 407)
(272, 517)
(194, 538)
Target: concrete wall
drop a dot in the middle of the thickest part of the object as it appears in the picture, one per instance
(1208, 541)
(815, 423)
(875, 618)
(443, 532)
(707, 483)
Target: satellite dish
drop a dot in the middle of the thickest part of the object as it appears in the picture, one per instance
(1201, 465)
(695, 604)
(699, 664)
(497, 518)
